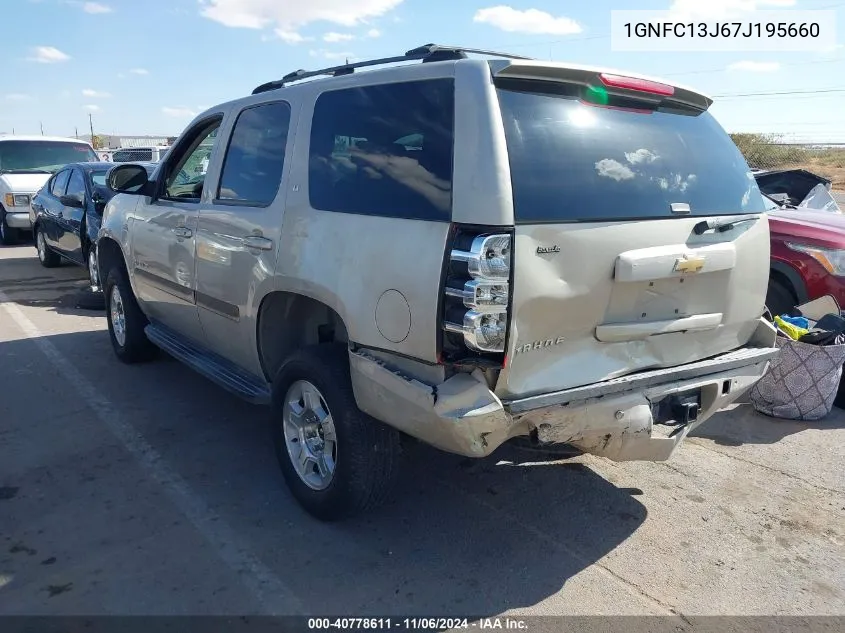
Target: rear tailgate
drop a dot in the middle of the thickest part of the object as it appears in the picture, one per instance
(610, 275)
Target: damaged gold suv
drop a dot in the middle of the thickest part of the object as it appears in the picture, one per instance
(464, 250)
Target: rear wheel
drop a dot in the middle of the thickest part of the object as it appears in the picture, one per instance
(779, 298)
(8, 235)
(126, 321)
(336, 460)
(48, 258)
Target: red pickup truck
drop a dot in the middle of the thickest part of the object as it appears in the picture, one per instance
(807, 239)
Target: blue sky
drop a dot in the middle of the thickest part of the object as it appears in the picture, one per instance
(148, 67)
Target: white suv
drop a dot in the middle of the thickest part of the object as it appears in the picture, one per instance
(26, 163)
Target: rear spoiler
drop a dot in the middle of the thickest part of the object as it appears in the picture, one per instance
(592, 76)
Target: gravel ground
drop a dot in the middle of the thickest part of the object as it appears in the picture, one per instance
(148, 490)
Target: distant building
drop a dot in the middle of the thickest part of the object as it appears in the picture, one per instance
(120, 141)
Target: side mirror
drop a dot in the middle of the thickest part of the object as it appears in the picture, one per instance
(129, 179)
(99, 203)
(72, 200)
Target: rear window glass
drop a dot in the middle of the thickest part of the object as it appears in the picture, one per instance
(573, 161)
(384, 150)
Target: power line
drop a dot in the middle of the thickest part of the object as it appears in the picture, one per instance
(725, 68)
(778, 94)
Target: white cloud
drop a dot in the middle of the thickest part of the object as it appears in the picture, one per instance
(338, 37)
(610, 168)
(701, 9)
(292, 37)
(94, 94)
(528, 21)
(373, 33)
(333, 55)
(179, 112)
(755, 67)
(641, 156)
(17, 96)
(259, 14)
(48, 55)
(92, 108)
(139, 71)
(96, 7)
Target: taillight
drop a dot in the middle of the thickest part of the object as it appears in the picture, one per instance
(477, 289)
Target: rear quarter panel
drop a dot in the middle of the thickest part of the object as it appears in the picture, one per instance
(382, 275)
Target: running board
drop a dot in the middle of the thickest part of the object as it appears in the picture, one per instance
(215, 368)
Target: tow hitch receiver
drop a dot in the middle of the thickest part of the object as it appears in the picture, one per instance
(677, 410)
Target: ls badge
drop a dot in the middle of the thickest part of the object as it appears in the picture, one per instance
(689, 265)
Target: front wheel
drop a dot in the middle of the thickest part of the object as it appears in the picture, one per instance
(779, 299)
(93, 271)
(126, 321)
(8, 235)
(336, 460)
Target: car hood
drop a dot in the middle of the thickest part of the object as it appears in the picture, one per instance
(799, 188)
(22, 183)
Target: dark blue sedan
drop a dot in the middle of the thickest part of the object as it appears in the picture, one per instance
(67, 212)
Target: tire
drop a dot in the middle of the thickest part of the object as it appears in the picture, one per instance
(779, 298)
(366, 452)
(90, 256)
(126, 321)
(8, 235)
(47, 258)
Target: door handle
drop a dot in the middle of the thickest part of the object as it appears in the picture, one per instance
(256, 241)
(183, 231)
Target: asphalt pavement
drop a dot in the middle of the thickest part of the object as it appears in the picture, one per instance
(148, 490)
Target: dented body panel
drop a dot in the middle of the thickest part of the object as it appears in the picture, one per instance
(600, 309)
(613, 419)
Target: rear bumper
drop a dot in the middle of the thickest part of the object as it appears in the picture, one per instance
(18, 220)
(612, 419)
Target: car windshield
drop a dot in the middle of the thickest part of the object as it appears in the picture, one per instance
(42, 156)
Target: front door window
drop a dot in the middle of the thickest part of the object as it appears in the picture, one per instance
(185, 179)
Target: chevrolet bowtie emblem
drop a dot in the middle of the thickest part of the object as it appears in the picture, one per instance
(689, 265)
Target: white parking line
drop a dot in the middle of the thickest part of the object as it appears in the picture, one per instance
(275, 596)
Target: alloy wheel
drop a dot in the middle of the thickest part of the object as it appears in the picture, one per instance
(309, 435)
(117, 315)
(93, 272)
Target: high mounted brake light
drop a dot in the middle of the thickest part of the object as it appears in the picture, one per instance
(640, 85)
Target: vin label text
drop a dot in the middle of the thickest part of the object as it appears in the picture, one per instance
(768, 31)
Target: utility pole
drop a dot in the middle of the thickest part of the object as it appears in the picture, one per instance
(91, 125)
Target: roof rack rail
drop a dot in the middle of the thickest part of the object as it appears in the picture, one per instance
(425, 53)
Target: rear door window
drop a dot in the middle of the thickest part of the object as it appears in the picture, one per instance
(252, 169)
(384, 150)
(574, 161)
(60, 183)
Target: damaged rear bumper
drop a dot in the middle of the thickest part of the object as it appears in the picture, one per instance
(614, 418)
